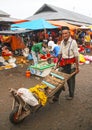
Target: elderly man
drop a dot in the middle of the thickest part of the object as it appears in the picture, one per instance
(68, 60)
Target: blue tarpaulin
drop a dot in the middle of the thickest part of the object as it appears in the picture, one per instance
(35, 25)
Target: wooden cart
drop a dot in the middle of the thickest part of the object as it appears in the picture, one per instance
(54, 81)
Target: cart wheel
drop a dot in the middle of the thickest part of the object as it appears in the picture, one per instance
(13, 116)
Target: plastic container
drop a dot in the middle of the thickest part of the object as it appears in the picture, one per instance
(28, 74)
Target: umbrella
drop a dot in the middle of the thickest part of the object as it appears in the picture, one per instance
(35, 25)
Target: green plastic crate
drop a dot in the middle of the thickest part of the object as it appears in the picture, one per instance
(41, 67)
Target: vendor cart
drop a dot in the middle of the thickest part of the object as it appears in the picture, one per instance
(53, 82)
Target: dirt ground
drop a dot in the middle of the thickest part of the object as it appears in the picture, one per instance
(66, 115)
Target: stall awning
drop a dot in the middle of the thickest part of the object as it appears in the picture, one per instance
(62, 23)
(35, 25)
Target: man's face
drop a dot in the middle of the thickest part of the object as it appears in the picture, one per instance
(65, 35)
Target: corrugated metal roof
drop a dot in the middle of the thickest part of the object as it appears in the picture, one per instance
(7, 19)
(10, 32)
(76, 23)
(49, 12)
(3, 14)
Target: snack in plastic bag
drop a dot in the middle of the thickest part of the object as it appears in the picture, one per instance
(27, 96)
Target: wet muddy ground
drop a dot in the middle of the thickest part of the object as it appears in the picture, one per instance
(65, 115)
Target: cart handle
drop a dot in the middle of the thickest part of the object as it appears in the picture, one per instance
(72, 73)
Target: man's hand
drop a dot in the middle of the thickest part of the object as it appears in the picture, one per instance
(77, 70)
(57, 66)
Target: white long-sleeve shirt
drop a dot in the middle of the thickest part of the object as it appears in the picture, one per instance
(70, 49)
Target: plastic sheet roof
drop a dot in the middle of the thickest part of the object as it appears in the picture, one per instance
(35, 25)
